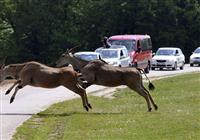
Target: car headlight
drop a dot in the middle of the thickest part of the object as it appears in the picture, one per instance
(153, 61)
(170, 60)
(115, 63)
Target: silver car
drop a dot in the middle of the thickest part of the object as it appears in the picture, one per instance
(195, 57)
(116, 56)
(168, 57)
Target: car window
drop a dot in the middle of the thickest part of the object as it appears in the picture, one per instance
(197, 50)
(87, 57)
(165, 52)
(121, 54)
(177, 52)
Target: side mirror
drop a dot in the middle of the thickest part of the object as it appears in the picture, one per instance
(177, 53)
(138, 50)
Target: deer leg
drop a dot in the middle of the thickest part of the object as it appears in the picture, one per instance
(80, 91)
(21, 84)
(9, 90)
(84, 102)
(140, 90)
(151, 99)
(13, 96)
(85, 97)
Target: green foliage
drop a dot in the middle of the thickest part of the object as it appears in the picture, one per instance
(42, 30)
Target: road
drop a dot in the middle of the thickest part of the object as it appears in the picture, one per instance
(31, 100)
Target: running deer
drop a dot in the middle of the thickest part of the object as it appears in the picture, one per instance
(39, 75)
(100, 73)
(68, 58)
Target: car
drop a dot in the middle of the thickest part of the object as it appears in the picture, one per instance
(88, 55)
(116, 55)
(168, 57)
(195, 57)
(139, 48)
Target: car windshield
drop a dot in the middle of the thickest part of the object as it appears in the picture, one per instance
(87, 57)
(165, 52)
(129, 44)
(197, 50)
(108, 53)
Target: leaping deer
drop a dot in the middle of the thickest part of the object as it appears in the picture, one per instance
(76, 62)
(100, 73)
(39, 75)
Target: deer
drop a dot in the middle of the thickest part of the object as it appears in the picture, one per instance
(100, 73)
(39, 75)
(77, 63)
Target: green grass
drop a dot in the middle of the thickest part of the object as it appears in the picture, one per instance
(125, 117)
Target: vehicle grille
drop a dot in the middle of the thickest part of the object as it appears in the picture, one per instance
(161, 60)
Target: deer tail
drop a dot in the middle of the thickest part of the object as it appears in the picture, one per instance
(151, 86)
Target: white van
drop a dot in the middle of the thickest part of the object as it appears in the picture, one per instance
(116, 55)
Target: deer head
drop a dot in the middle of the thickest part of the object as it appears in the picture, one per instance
(65, 58)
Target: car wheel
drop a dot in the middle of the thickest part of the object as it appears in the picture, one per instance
(181, 68)
(152, 68)
(136, 65)
(191, 65)
(175, 66)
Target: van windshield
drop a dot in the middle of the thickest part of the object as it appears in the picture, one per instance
(129, 44)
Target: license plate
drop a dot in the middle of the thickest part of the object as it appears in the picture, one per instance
(160, 63)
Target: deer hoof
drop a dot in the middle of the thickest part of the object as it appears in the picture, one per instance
(11, 100)
(89, 106)
(156, 107)
(86, 108)
(150, 109)
(7, 92)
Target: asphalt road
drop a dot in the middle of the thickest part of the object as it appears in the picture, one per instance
(31, 100)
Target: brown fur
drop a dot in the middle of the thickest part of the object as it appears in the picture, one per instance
(39, 75)
(99, 73)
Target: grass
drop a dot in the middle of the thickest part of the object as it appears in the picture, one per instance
(125, 117)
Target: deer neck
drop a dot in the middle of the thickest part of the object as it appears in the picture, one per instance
(73, 61)
(13, 70)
